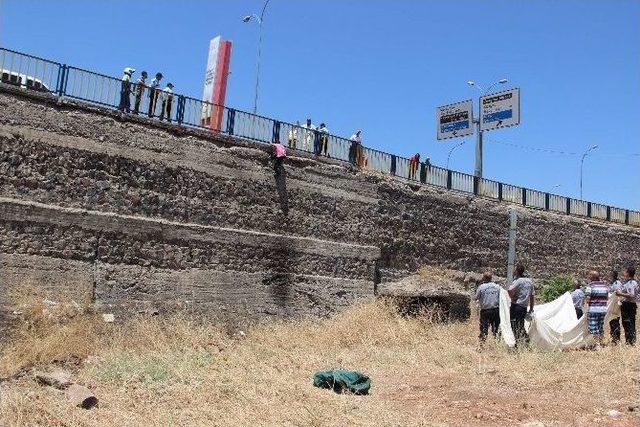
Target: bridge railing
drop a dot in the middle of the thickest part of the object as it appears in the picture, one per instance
(29, 72)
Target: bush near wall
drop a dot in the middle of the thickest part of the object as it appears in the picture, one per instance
(555, 287)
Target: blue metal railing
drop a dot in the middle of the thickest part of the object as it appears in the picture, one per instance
(33, 73)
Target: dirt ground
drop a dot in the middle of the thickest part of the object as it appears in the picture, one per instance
(164, 372)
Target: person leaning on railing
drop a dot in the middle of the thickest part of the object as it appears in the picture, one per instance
(141, 83)
(309, 132)
(355, 151)
(167, 102)
(153, 93)
(323, 135)
(293, 135)
(414, 161)
(125, 90)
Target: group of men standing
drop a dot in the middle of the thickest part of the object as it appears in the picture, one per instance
(595, 297)
(154, 92)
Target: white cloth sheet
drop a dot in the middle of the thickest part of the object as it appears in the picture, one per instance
(554, 325)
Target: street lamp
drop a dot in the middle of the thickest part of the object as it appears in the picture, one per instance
(260, 20)
(478, 169)
(451, 151)
(593, 147)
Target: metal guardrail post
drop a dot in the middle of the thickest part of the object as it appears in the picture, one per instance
(231, 118)
(626, 216)
(423, 173)
(276, 131)
(524, 196)
(180, 109)
(449, 179)
(476, 185)
(62, 80)
(568, 206)
(547, 201)
(499, 191)
(589, 209)
(608, 213)
(393, 165)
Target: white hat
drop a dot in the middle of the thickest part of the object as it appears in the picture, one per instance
(129, 70)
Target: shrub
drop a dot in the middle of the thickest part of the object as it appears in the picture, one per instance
(555, 287)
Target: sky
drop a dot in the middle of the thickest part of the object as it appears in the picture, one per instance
(384, 67)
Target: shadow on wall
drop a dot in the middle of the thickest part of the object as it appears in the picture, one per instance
(280, 278)
(281, 187)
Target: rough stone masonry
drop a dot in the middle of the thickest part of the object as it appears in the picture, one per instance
(131, 214)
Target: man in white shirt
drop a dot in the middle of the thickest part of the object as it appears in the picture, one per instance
(167, 102)
(614, 324)
(309, 133)
(522, 293)
(488, 297)
(577, 296)
(153, 93)
(630, 294)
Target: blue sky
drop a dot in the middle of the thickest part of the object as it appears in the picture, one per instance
(384, 66)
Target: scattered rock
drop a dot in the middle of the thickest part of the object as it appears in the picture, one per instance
(108, 317)
(81, 396)
(533, 424)
(632, 408)
(614, 413)
(58, 379)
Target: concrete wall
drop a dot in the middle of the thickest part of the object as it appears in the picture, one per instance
(150, 215)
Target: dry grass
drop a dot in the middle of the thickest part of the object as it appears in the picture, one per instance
(155, 372)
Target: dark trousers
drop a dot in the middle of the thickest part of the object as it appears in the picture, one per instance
(489, 317)
(614, 327)
(166, 109)
(579, 312)
(517, 314)
(125, 102)
(153, 97)
(628, 316)
(136, 107)
(278, 167)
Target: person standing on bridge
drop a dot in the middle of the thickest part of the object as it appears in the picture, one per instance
(630, 294)
(597, 297)
(614, 324)
(355, 153)
(414, 162)
(323, 146)
(488, 297)
(309, 136)
(293, 135)
(167, 102)
(125, 90)
(153, 93)
(522, 293)
(141, 83)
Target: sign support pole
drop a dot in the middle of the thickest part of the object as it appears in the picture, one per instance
(478, 168)
(511, 255)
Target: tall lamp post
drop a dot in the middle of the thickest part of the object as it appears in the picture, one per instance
(260, 20)
(478, 169)
(593, 147)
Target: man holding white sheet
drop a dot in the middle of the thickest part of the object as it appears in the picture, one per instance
(522, 294)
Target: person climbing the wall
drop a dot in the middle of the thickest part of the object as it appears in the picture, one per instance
(488, 297)
(141, 83)
(125, 90)
(280, 153)
(522, 293)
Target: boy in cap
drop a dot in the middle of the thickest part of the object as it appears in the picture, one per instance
(141, 83)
